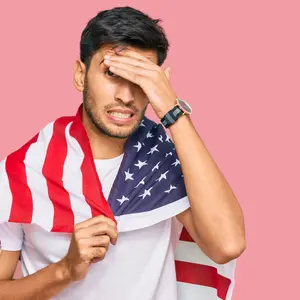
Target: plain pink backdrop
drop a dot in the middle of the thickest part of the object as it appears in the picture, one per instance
(236, 62)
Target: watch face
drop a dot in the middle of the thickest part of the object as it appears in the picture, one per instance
(187, 109)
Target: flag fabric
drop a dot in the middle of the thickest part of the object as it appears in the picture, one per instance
(198, 277)
(52, 181)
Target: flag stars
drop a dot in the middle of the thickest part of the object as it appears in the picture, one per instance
(123, 200)
(153, 149)
(162, 176)
(141, 182)
(138, 146)
(146, 193)
(161, 138)
(168, 139)
(141, 164)
(168, 154)
(149, 135)
(172, 187)
(142, 124)
(176, 163)
(128, 175)
(156, 166)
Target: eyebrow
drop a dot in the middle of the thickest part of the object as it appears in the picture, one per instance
(101, 62)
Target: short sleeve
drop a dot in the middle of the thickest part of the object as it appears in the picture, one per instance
(11, 236)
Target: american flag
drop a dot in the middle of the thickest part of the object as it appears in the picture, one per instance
(52, 181)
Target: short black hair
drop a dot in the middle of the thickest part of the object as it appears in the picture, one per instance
(123, 26)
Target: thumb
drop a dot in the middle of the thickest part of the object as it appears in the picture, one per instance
(168, 72)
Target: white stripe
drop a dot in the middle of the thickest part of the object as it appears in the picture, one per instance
(72, 179)
(190, 252)
(196, 292)
(230, 290)
(144, 219)
(34, 162)
(5, 193)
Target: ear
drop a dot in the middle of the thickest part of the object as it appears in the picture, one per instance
(168, 73)
(79, 75)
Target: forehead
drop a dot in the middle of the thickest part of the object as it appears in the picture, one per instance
(106, 49)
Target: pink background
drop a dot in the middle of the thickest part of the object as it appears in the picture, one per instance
(236, 62)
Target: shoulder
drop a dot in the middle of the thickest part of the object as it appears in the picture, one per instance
(11, 236)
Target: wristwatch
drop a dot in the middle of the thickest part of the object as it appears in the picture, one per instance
(181, 108)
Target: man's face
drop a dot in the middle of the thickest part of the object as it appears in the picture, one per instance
(114, 105)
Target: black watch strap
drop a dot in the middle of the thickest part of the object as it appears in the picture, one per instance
(172, 116)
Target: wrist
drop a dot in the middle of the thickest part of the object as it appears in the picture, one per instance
(179, 110)
(182, 125)
(62, 272)
(164, 110)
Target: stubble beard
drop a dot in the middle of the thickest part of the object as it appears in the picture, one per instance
(100, 125)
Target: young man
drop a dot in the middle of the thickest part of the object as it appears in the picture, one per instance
(73, 246)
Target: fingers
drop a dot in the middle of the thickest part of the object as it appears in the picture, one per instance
(130, 61)
(129, 73)
(95, 260)
(97, 226)
(126, 67)
(132, 73)
(96, 254)
(98, 247)
(96, 241)
(103, 229)
(92, 248)
(95, 220)
(90, 242)
(133, 54)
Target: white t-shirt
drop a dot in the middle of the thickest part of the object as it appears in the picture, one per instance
(140, 267)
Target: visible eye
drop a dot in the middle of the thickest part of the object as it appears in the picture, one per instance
(110, 73)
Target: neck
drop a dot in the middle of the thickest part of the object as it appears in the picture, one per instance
(102, 145)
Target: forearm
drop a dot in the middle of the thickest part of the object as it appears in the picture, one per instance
(41, 285)
(216, 212)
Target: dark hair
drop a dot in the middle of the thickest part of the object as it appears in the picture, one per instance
(123, 26)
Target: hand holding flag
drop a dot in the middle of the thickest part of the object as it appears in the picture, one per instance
(89, 244)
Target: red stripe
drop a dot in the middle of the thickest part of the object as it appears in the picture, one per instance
(22, 204)
(185, 236)
(63, 220)
(202, 275)
(92, 188)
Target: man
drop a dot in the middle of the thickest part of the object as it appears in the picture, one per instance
(117, 249)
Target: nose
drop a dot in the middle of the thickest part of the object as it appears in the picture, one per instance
(125, 92)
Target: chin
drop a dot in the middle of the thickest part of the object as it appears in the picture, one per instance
(115, 127)
(119, 132)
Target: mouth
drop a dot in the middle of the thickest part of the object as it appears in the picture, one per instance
(121, 116)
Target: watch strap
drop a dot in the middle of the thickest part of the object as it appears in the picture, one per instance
(172, 116)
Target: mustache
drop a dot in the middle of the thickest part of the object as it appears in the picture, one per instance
(113, 105)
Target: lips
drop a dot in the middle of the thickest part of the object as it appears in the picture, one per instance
(121, 115)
